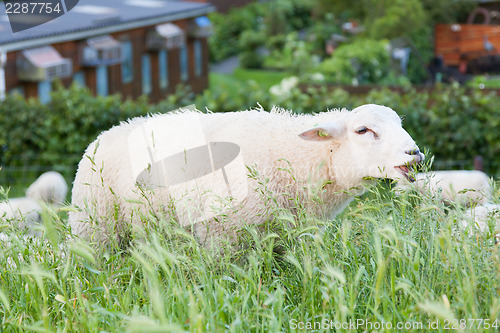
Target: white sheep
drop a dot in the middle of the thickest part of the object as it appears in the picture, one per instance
(481, 215)
(24, 212)
(138, 166)
(464, 187)
(50, 188)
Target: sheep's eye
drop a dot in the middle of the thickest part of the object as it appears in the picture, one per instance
(362, 130)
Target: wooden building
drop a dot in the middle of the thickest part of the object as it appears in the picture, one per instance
(457, 43)
(474, 42)
(131, 47)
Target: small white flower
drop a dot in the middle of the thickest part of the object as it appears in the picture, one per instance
(284, 88)
(289, 82)
(275, 90)
(317, 77)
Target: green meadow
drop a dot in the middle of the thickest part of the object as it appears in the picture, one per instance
(387, 263)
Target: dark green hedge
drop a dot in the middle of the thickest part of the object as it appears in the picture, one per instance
(56, 134)
(454, 124)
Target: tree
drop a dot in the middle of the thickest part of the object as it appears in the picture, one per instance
(394, 18)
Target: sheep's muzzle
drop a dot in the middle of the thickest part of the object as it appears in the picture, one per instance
(405, 170)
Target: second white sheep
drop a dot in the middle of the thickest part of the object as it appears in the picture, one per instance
(24, 212)
(464, 187)
(50, 188)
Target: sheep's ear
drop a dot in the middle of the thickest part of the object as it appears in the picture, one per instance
(323, 132)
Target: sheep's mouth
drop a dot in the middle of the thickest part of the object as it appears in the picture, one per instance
(405, 170)
(408, 168)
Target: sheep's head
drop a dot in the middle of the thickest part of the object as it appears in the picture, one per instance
(368, 142)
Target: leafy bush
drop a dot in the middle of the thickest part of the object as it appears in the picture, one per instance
(447, 11)
(362, 61)
(250, 42)
(394, 18)
(251, 59)
(58, 133)
(276, 42)
(421, 55)
(270, 18)
(295, 56)
(22, 123)
(283, 16)
(228, 27)
(321, 32)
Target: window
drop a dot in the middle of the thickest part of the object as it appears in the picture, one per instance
(44, 88)
(163, 68)
(79, 78)
(127, 64)
(102, 80)
(146, 74)
(184, 64)
(198, 58)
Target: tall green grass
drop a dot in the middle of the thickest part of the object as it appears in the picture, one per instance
(386, 258)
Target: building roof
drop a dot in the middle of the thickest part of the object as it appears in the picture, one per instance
(96, 17)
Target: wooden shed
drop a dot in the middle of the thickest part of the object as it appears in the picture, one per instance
(131, 47)
(457, 43)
